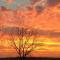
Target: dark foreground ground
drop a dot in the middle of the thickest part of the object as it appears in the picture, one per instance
(30, 58)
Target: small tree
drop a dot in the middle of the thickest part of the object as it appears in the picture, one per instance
(27, 39)
(26, 45)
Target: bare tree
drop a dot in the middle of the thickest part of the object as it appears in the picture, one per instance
(26, 44)
(27, 39)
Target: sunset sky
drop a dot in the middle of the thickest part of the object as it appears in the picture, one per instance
(40, 16)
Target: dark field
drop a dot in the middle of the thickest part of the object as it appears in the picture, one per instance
(31, 58)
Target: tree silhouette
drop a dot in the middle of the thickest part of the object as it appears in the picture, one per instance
(27, 39)
(26, 44)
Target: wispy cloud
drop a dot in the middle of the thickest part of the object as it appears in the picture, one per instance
(53, 2)
(15, 4)
(23, 31)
